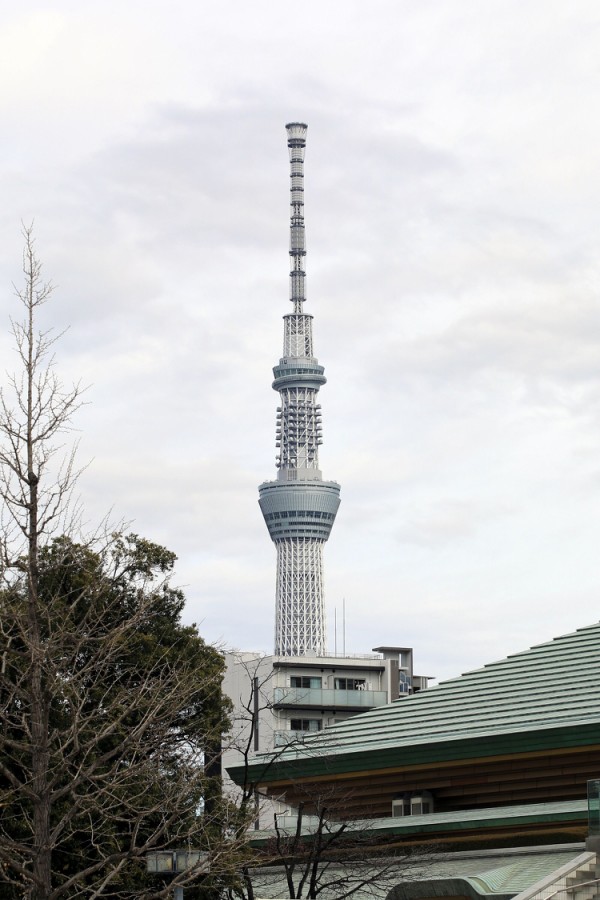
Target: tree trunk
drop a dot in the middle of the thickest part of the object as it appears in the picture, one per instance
(39, 707)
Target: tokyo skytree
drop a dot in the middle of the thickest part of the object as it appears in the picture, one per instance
(299, 508)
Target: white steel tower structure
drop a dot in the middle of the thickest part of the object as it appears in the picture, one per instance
(299, 508)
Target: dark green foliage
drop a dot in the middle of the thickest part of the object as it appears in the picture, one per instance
(134, 710)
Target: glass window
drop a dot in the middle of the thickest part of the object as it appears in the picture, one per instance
(305, 681)
(305, 724)
(350, 684)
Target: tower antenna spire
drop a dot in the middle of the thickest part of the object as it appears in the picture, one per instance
(299, 508)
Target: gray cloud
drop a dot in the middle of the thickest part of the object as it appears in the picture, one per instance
(453, 217)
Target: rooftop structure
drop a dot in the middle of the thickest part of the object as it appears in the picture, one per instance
(299, 508)
(500, 754)
(551, 872)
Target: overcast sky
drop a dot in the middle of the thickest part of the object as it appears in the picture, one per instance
(453, 231)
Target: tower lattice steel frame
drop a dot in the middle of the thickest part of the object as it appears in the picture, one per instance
(299, 508)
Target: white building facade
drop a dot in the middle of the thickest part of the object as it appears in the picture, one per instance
(283, 699)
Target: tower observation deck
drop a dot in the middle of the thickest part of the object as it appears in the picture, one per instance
(299, 508)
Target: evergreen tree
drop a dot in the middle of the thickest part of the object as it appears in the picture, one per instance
(110, 708)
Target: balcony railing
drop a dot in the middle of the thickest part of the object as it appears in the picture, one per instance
(325, 698)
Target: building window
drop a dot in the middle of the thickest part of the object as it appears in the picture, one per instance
(350, 684)
(305, 724)
(305, 681)
(404, 685)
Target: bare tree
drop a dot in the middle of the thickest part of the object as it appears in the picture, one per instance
(318, 856)
(310, 850)
(248, 722)
(108, 704)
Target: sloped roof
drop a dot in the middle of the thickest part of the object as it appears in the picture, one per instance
(549, 688)
(455, 820)
(497, 875)
(466, 819)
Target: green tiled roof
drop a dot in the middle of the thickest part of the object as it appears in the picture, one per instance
(549, 690)
(465, 819)
(455, 820)
(501, 873)
(496, 875)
